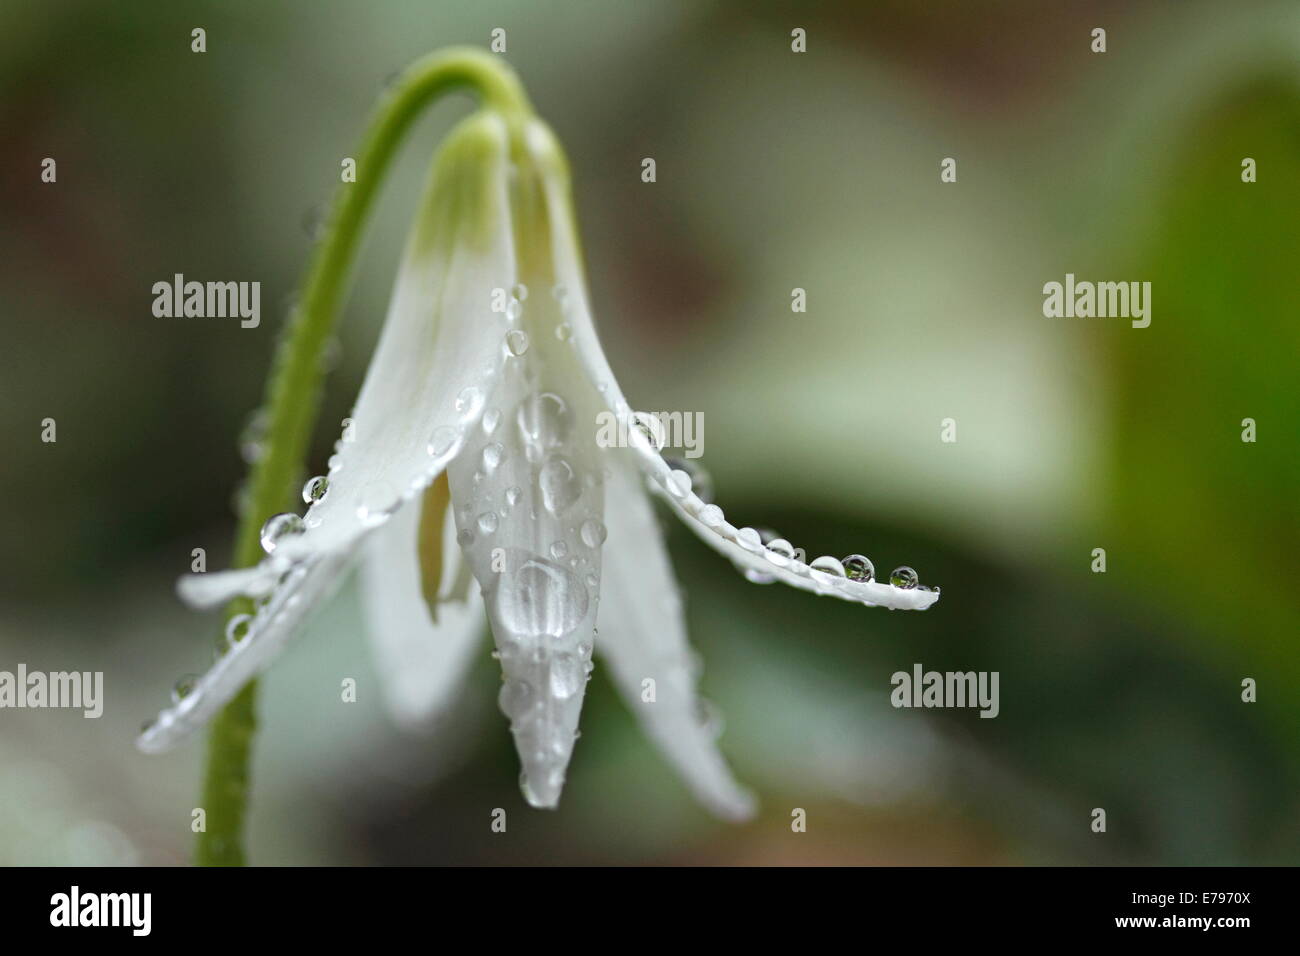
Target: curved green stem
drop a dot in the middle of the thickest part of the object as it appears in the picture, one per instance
(294, 389)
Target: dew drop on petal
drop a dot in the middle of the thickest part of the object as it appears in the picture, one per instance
(712, 516)
(315, 488)
(593, 533)
(749, 539)
(650, 428)
(903, 577)
(544, 421)
(487, 522)
(492, 456)
(519, 291)
(701, 480)
(491, 418)
(826, 569)
(516, 698)
(858, 568)
(468, 402)
(237, 628)
(559, 549)
(567, 676)
(378, 501)
(540, 599)
(679, 483)
(183, 688)
(559, 485)
(278, 527)
(443, 443)
(564, 331)
(513, 494)
(780, 552)
(758, 577)
(516, 342)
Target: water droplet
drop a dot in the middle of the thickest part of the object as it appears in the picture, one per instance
(649, 427)
(701, 480)
(513, 494)
(540, 599)
(859, 568)
(468, 402)
(516, 698)
(487, 522)
(564, 331)
(519, 291)
(903, 577)
(593, 533)
(443, 443)
(567, 677)
(492, 456)
(592, 579)
(183, 688)
(237, 628)
(253, 435)
(749, 539)
(780, 552)
(378, 501)
(315, 488)
(314, 220)
(278, 527)
(826, 569)
(464, 537)
(491, 418)
(712, 516)
(559, 485)
(559, 549)
(679, 483)
(544, 421)
(517, 342)
(754, 576)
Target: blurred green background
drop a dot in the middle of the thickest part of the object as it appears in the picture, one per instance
(775, 170)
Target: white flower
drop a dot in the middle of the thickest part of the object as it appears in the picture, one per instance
(492, 416)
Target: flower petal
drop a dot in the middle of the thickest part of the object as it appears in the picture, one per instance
(276, 621)
(438, 355)
(643, 637)
(528, 496)
(421, 661)
(709, 525)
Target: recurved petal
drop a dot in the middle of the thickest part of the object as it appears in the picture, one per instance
(438, 356)
(643, 640)
(421, 660)
(305, 588)
(708, 522)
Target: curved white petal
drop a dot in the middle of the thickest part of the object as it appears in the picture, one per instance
(709, 526)
(214, 588)
(421, 662)
(304, 590)
(528, 498)
(643, 637)
(439, 353)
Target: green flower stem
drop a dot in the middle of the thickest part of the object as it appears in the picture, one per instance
(294, 390)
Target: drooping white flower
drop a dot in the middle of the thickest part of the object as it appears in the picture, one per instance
(473, 456)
